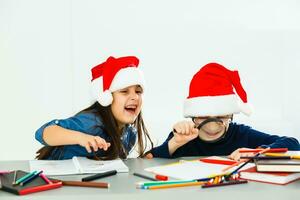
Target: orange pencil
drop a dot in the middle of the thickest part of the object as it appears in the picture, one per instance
(173, 185)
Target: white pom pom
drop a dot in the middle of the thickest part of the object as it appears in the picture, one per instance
(105, 98)
(246, 108)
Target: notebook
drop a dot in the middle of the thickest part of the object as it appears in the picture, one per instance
(36, 185)
(276, 165)
(281, 178)
(77, 165)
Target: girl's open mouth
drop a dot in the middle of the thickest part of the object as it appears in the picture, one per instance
(131, 108)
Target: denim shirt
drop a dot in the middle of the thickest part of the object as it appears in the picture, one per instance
(86, 123)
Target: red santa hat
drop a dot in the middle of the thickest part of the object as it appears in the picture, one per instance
(115, 74)
(211, 93)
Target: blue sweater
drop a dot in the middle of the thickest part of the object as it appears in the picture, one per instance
(237, 136)
(86, 123)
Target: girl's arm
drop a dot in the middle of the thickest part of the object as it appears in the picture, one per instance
(56, 136)
(82, 129)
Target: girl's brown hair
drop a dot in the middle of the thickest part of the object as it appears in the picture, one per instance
(110, 127)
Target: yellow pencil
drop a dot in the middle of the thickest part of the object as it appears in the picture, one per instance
(282, 154)
(174, 185)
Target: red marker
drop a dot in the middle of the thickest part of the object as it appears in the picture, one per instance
(161, 177)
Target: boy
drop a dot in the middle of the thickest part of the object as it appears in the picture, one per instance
(211, 104)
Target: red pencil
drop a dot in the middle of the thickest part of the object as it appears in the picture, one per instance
(258, 150)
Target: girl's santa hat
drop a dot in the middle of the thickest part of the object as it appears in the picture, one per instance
(211, 93)
(115, 74)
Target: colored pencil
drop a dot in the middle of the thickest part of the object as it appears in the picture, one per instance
(173, 185)
(15, 177)
(267, 157)
(30, 178)
(141, 184)
(86, 184)
(282, 155)
(44, 177)
(225, 183)
(25, 177)
(4, 172)
(258, 150)
(144, 176)
(100, 175)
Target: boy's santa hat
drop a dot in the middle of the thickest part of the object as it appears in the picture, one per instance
(211, 93)
(115, 74)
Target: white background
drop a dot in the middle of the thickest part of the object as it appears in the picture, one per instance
(47, 48)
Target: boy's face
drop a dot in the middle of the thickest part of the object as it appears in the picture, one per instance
(214, 129)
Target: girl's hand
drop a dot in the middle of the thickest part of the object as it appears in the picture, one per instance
(95, 142)
(184, 132)
(236, 155)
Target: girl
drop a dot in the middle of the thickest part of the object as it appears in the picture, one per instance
(110, 127)
(211, 105)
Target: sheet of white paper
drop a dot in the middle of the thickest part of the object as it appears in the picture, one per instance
(97, 166)
(189, 170)
(54, 167)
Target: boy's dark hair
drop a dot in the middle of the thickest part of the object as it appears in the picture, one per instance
(110, 127)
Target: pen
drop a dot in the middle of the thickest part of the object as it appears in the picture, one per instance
(25, 177)
(144, 176)
(86, 184)
(225, 183)
(99, 175)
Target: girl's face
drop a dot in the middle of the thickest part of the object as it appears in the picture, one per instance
(212, 131)
(126, 104)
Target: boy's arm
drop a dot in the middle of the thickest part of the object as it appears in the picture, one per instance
(264, 140)
(162, 151)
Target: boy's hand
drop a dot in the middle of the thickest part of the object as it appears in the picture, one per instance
(184, 132)
(236, 155)
(95, 142)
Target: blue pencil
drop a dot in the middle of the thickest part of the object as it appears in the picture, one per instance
(25, 177)
(30, 178)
